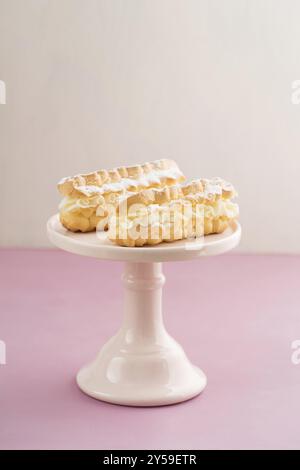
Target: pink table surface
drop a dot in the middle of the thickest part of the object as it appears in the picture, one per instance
(235, 315)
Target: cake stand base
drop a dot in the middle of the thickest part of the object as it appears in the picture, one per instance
(142, 365)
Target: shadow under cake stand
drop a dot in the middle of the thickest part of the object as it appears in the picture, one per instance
(142, 365)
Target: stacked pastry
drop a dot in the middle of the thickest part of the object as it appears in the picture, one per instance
(146, 204)
(190, 210)
(89, 199)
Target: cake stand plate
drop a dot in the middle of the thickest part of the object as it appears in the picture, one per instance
(142, 365)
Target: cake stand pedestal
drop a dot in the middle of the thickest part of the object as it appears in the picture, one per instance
(142, 365)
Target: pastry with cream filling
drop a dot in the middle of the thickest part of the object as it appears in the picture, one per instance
(87, 198)
(149, 217)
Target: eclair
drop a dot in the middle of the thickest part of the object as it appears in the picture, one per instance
(86, 197)
(195, 209)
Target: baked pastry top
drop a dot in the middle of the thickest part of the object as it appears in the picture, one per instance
(158, 173)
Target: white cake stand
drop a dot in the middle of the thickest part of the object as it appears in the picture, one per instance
(141, 365)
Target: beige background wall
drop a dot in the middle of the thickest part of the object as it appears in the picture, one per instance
(98, 83)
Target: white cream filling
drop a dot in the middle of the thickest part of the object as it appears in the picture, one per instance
(70, 204)
(221, 208)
